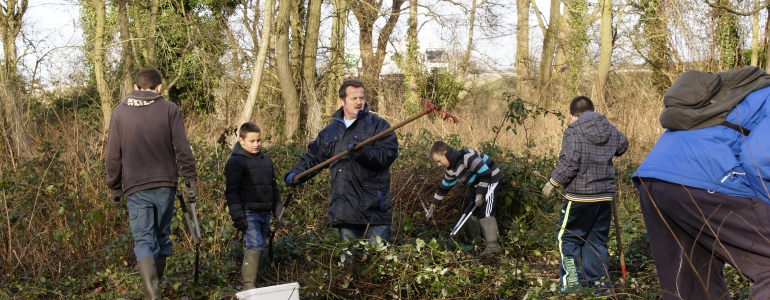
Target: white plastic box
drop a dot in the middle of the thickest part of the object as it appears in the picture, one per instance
(289, 291)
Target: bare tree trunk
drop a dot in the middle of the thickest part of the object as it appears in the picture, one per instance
(314, 102)
(125, 48)
(256, 77)
(522, 49)
(605, 56)
(471, 26)
(549, 46)
(288, 88)
(755, 36)
(366, 12)
(10, 25)
(337, 55)
(100, 12)
(412, 65)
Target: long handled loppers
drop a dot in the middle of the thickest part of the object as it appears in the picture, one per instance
(194, 230)
(429, 107)
(278, 215)
(464, 218)
(618, 236)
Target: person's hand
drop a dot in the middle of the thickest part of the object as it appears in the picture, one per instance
(191, 191)
(289, 179)
(429, 212)
(278, 213)
(353, 152)
(115, 196)
(548, 189)
(240, 224)
(479, 200)
(116, 200)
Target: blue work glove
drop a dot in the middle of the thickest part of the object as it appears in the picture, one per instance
(352, 152)
(289, 179)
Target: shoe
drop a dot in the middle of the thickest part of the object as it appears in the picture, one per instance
(604, 293)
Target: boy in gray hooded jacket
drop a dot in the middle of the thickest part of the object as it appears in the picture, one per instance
(587, 173)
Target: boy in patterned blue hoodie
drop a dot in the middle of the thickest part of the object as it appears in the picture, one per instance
(587, 173)
(477, 170)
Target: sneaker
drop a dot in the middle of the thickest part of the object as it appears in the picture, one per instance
(604, 293)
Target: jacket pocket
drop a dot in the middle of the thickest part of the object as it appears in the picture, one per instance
(374, 194)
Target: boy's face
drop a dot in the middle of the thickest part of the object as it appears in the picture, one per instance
(441, 159)
(353, 101)
(251, 142)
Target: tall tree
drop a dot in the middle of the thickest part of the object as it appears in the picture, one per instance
(549, 46)
(523, 73)
(314, 102)
(99, 53)
(126, 49)
(727, 37)
(577, 45)
(291, 103)
(412, 51)
(11, 16)
(464, 63)
(605, 55)
(336, 70)
(372, 56)
(655, 33)
(259, 65)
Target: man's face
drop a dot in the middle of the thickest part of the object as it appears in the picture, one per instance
(353, 101)
(251, 142)
(441, 159)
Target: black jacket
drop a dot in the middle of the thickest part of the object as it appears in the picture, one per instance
(585, 162)
(360, 185)
(249, 183)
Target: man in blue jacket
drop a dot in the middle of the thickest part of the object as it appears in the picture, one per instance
(359, 204)
(705, 204)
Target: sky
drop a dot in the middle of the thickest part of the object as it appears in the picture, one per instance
(52, 28)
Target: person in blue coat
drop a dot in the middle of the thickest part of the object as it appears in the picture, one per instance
(359, 204)
(705, 204)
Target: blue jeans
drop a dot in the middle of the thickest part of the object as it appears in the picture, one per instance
(150, 213)
(349, 232)
(582, 236)
(256, 233)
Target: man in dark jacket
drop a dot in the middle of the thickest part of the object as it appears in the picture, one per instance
(146, 141)
(359, 204)
(588, 175)
(251, 194)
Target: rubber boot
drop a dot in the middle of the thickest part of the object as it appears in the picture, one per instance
(149, 276)
(489, 229)
(250, 268)
(160, 267)
(472, 228)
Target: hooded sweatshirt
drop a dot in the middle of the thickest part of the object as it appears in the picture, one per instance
(468, 167)
(585, 162)
(146, 140)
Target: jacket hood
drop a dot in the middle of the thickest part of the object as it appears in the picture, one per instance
(238, 150)
(451, 155)
(141, 98)
(594, 126)
(339, 115)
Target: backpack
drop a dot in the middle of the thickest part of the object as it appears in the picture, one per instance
(701, 99)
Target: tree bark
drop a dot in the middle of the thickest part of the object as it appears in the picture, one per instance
(11, 16)
(314, 102)
(336, 55)
(291, 107)
(469, 48)
(366, 12)
(412, 65)
(605, 55)
(126, 53)
(100, 15)
(256, 77)
(549, 47)
(523, 74)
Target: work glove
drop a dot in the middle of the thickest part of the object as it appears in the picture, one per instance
(116, 200)
(116, 196)
(352, 152)
(548, 189)
(191, 191)
(240, 224)
(278, 212)
(479, 200)
(289, 179)
(429, 213)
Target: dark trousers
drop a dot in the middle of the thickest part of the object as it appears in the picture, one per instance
(582, 237)
(694, 232)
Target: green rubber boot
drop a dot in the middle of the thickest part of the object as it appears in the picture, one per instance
(489, 229)
(250, 268)
(149, 276)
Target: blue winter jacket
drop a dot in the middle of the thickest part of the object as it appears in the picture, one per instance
(717, 158)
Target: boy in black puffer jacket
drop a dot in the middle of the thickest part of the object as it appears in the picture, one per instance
(588, 175)
(252, 194)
